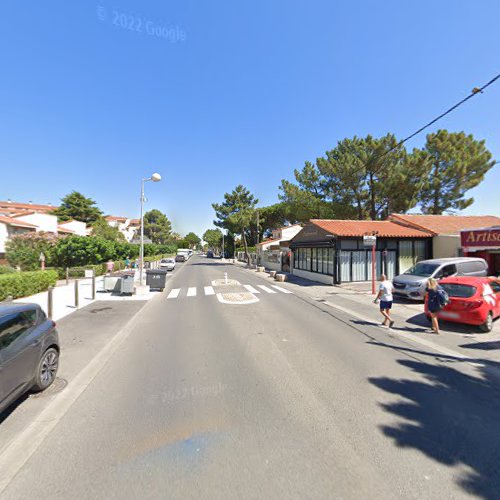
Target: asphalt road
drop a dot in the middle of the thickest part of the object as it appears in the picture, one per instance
(281, 398)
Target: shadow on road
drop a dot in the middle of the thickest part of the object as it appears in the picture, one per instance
(483, 346)
(450, 416)
(4, 415)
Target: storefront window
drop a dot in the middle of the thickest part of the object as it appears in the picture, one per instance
(330, 261)
(314, 260)
(308, 259)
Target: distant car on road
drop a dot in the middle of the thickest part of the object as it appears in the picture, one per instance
(29, 351)
(180, 258)
(168, 264)
(473, 301)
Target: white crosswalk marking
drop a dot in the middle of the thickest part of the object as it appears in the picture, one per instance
(251, 289)
(174, 293)
(266, 289)
(283, 290)
(191, 291)
(209, 290)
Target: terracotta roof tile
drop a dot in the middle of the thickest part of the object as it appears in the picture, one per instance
(446, 224)
(356, 228)
(14, 206)
(16, 222)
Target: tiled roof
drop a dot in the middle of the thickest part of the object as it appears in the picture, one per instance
(15, 207)
(357, 228)
(16, 222)
(446, 224)
(135, 222)
(270, 240)
(114, 217)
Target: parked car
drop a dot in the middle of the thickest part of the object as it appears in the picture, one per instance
(412, 283)
(168, 264)
(473, 301)
(29, 351)
(180, 258)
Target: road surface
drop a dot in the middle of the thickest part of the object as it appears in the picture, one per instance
(282, 397)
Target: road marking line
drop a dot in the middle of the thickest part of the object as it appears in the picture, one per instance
(191, 291)
(266, 289)
(174, 293)
(283, 290)
(209, 290)
(251, 289)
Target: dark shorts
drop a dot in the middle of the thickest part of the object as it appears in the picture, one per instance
(385, 304)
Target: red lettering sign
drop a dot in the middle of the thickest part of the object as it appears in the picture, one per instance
(481, 238)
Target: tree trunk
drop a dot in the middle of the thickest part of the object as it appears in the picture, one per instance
(247, 256)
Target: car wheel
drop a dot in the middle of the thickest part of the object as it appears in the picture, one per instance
(487, 326)
(47, 370)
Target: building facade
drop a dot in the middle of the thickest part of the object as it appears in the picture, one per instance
(334, 251)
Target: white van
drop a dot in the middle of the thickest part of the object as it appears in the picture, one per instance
(412, 283)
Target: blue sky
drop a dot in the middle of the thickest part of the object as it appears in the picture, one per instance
(213, 94)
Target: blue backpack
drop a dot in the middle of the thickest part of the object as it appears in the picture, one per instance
(443, 297)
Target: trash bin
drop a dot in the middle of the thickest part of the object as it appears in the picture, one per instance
(127, 284)
(156, 278)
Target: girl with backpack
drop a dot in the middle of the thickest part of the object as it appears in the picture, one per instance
(437, 298)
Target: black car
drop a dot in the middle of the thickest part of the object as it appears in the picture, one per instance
(180, 258)
(29, 351)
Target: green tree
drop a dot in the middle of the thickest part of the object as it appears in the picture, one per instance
(458, 162)
(192, 239)
(102, 229)
(76, 250)
(273, 217)
(75, 206)
(213, 237)
(24, 250)
(157, 227)
(237, 213)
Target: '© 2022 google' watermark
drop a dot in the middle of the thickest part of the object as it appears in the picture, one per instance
(138, 24)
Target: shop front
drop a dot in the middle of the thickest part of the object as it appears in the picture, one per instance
(483, 243)
(331, 251)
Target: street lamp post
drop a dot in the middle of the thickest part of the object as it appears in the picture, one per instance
(155, 178)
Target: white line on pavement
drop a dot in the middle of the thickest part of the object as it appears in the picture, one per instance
(191, 291)
(209, 290)
(283, 290)
(251, 289)
(174, 293)
(266, 289)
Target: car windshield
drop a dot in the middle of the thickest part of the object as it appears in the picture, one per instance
(458, 290)
(422, 269)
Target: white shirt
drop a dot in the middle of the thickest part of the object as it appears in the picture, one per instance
(386, 289)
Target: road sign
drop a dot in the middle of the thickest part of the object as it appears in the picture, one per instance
(369, 241)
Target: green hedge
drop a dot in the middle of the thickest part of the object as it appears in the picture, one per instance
(7, 270)
(24, 284)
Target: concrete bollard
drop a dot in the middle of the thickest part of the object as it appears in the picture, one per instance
(272, 274)
(280, 277)
(93, 287)
(261, 269)
(50, 302)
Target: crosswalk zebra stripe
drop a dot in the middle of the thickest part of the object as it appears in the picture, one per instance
(266, 289)
(251, 289)
(191, 291)
(209, 290)
(174, 293)
(283, 290)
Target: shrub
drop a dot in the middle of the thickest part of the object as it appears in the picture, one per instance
(24, 250)
(24, 284)
(7, 270)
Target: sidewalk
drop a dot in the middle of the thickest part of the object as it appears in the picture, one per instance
(63, 297)
(355, 301)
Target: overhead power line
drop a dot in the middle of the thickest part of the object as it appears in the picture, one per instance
(474, 92)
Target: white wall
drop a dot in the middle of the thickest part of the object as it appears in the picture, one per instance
(288, 233)
(44, 222)
(79, 228)
(445, 245)
(4, 234)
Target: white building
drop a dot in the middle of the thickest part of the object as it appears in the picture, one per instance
(274, 253)
(128, 227)
(10, 226)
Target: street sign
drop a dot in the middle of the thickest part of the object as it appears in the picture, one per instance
(369, 241)
(42, 257)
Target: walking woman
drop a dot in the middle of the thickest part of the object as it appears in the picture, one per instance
(433, 303)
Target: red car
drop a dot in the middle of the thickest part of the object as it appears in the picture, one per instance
(473, 301)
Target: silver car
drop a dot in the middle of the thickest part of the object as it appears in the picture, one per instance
(168, 264)
(412, 283)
